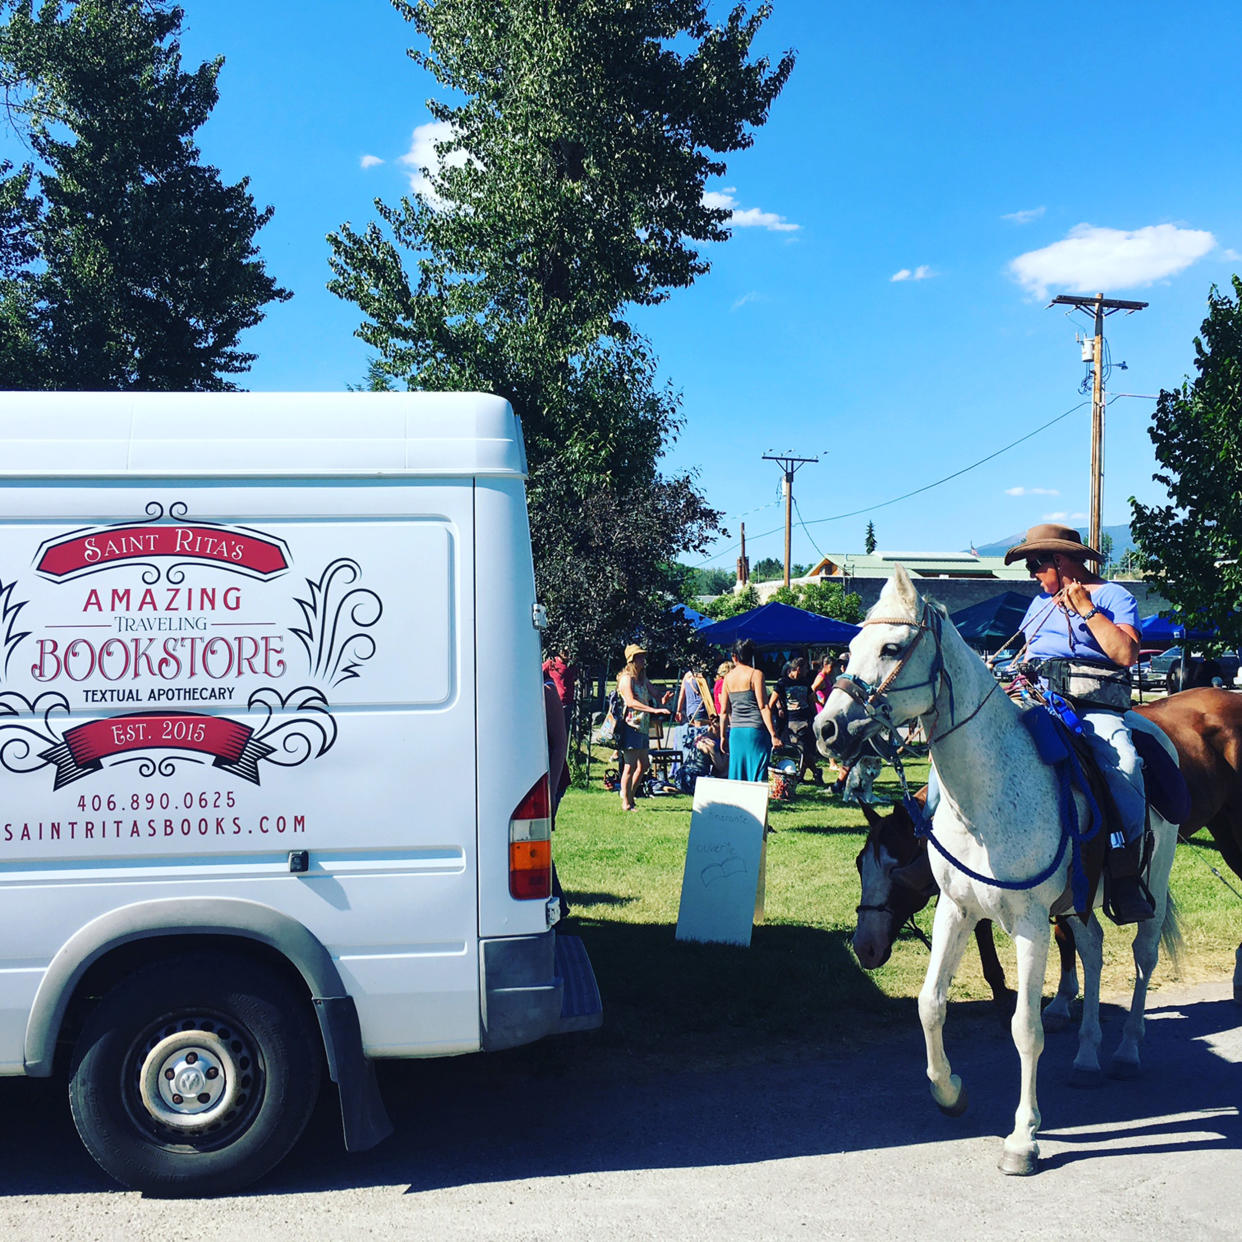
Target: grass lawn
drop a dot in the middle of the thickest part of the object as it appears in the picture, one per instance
(798, 985)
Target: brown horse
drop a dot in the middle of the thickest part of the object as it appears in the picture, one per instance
(1205, 727)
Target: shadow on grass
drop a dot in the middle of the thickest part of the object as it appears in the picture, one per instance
(578, 897)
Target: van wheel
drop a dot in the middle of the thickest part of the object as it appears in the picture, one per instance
(195, 1075)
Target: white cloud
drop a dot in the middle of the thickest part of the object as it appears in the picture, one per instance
(747, 217)
(1031, 491)
(922, 272)
(422, 158)
(1091, 258)
(369, 161)
(1025, 217)
(752, 296)
(1232, 255)
(1062, 516)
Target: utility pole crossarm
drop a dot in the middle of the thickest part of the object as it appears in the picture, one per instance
(1082, 301)
(789, 465)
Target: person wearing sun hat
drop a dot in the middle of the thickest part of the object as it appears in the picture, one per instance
(1083, 632)
(640, 709)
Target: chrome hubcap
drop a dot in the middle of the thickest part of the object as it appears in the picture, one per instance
(191, 1079)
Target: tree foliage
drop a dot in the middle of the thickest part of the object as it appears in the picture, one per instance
(726, 606)
(699, 581)
(769, 568)
(869, 539)
(1192, 547)
(828, 599)
(129, 264)
(570, 185)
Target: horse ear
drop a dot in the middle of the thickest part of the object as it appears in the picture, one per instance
(905, 589)
(871, 815)
(899, 598)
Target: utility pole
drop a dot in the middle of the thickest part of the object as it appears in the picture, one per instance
(1098, 308)
(743, 565)
(790, 466)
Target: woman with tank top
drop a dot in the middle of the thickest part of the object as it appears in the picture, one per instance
(746, 729)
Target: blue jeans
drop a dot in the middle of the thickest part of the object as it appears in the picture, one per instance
(1113, 749)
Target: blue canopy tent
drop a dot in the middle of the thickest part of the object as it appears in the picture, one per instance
(693, 615)
(776, 627)
(1157, 630)
(990, 622)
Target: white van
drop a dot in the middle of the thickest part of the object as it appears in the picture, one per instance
(273, 764)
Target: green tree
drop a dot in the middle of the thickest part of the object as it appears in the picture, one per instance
(727, 606)
(869, 539)
(18, 213)
(143, 272)
(770, 568)
(698, 581)
(1192, 548)
(828, 599)
(377, 379)
(570, 185)
(1106, 550)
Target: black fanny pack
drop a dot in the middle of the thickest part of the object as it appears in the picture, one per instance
(1088, 684)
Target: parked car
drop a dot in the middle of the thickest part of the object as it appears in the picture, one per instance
(1141, 675)
(1002, 663)
(1166, 669)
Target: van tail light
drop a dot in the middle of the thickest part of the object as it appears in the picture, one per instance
(530, 844)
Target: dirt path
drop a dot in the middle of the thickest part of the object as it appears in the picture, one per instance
(846, 1147)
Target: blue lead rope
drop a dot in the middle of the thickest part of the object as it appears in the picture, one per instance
(1048, 731)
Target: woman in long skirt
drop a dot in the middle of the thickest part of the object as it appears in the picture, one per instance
(746, 729)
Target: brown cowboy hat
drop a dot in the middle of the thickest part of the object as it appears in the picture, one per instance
(1049, 537)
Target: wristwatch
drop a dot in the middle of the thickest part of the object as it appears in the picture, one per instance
(1086, 616)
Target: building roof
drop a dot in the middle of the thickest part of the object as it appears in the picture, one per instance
(917, 565)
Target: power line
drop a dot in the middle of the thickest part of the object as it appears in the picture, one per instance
(806, 532)
(836, 517)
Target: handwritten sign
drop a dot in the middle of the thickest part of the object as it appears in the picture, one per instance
(722, 887)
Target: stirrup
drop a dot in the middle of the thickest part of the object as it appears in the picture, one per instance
(1127, 899)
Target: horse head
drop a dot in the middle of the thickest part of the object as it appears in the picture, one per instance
(894, 672)
(896, 881)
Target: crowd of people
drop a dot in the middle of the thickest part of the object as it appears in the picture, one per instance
(729, 728)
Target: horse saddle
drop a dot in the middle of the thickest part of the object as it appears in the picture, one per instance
(1167, 792)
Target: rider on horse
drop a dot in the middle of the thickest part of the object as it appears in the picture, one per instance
(1083, 631)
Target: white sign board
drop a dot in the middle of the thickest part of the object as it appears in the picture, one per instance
(722, 888)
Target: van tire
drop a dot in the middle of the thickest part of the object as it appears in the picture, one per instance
(156, 1031)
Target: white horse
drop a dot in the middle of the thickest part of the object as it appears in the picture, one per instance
(999, 817)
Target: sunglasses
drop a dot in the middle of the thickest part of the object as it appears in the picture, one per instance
(1033, 566)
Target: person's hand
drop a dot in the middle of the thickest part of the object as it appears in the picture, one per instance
(1076, 597)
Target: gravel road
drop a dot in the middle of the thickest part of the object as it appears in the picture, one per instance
(840, 1147)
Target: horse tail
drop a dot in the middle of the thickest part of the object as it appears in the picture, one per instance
(1171, 939)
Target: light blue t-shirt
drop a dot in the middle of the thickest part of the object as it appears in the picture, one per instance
(1048, 628)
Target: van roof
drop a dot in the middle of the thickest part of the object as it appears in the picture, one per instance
(90, 434)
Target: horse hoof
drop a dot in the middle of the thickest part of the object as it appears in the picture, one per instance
(1018, 1164)
(1124, 1069)
(1055, 1020)
(957, 1108)
(1086, 1078)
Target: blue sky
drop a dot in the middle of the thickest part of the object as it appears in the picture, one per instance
(929, 178)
